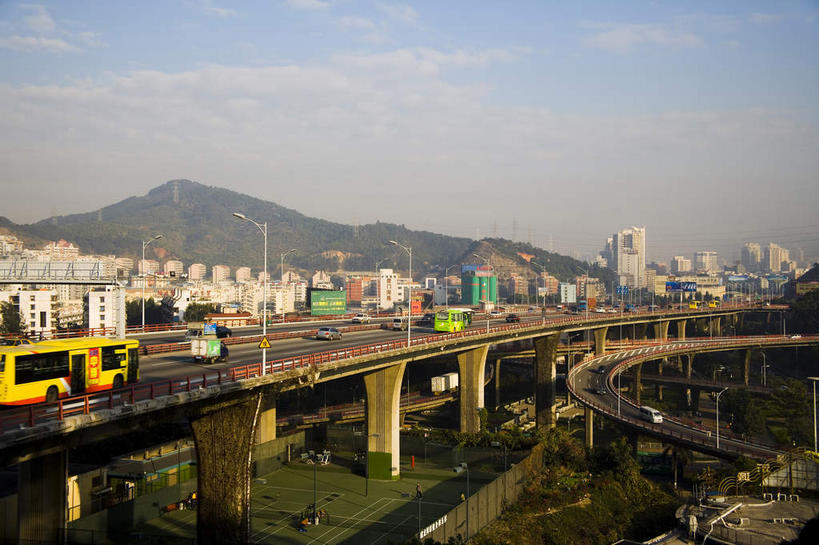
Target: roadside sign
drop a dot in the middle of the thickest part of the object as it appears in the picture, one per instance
(622, 290)
(264, 344)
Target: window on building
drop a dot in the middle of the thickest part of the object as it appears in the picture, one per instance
(102, 308)
(33, 306)
(102, 317)
(31, 298)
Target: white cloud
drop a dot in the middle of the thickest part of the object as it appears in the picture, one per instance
(30, 44)
(39, 21)
(307, 4)
(622, 37)
(400, 12)
(220, 12)
(355, 23)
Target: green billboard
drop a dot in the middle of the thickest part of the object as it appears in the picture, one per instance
(328, 302)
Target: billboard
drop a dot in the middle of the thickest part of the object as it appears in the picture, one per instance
(323, 303)
(738, 278)
(677, 287)
(416, 307)
(475, 268)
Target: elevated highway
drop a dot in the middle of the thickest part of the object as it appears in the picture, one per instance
(585, 380)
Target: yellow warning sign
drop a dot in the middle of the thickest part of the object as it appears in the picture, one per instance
(264, 344)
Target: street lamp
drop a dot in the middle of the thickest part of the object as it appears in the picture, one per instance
(409, 314)
(719, 394)
(814, 379)
(263, 229)
(290, 251)
(543, 272)
(145, 244)
(764, 370)
(446, 287)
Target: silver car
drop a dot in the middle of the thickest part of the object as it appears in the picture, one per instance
(328, 333)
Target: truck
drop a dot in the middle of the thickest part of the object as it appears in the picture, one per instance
(444, 383)
(208, 349)
(582, 306)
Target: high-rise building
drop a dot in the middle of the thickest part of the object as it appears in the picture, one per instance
(220, 273)
(627, 251)
(243, 274)
(148, 266)
(775, 255)
(197, 271)
(705, 261)
(680, 264)
(751, 256)
(387, 289)
(173, 266)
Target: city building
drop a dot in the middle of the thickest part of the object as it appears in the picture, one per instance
(775, 258)
(680, 264)
(147, 266)
(9, 244)
(321, 280)
(197, 271)
(37, 310)
(808, 282)
(568, 292)
(60, 250)
(625, 253)
(173, 267)
(101, 310)
(751, 257)
(220, 273)
(243, 274)
(705, 261)
(387, 289)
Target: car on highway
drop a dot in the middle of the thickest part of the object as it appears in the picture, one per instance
(427, 319)
(399, 324)
(495, 313)
(223, 332)
(601, 390)
(601, 369)
(796, 336)
(328, 333)
(361, 318)
(512, 318)
(14, 342)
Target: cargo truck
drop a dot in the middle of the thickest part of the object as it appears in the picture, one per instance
(444, 383)
(208, 349)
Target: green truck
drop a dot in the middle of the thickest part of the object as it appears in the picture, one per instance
(208, 349)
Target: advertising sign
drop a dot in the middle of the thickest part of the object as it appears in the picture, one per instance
(323, 303)
(737, 278)
(416, 307)
(209, 329)
(676, 287)
(474, 268)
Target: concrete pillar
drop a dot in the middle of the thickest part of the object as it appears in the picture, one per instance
(497, 383)
(266, 426)
(589, 414)
(41, 499)
(689, 365)
(717, 325)
(695, 399)
(661, 330)
(639, 384)
(224, 435)
(545, 377)
(746, 369)
(642, 331)
(472, 370)
(383, 396)
(600, 340)
(658, 388)
(681, 329)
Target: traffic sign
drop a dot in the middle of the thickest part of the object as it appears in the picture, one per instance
(622, 290)
(264, 344)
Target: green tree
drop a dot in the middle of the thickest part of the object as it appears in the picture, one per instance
(804, 313)
(12, 321)
(153, 312)
(196, 311)
(743, 411)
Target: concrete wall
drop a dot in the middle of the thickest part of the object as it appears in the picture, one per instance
(488, 503)
(272, 455)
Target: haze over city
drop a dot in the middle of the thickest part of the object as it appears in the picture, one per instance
(550, 122)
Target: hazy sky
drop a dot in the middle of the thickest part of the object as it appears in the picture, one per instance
(699, 120)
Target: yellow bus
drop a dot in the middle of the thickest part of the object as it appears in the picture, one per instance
(453, 319)
(50, 370)
(694, 304)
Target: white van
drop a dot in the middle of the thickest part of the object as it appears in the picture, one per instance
(652, 415)
(399, 324)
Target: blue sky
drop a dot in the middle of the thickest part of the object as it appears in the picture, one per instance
(569, 120)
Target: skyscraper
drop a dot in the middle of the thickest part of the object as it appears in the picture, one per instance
(628, 256)
(705, 261)
(751, 256)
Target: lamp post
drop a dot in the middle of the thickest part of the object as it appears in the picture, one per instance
(543, 272)
(719, 394)
(446, 287)
(409, 313)
(145, 244)
(764, 370)
(290, 251)
(814, 379)
(619, 395)
(263, 229)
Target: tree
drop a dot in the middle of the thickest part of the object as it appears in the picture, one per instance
(743, 411)
(804, 313)
(196, 311)
(153, 312)
(12, 321)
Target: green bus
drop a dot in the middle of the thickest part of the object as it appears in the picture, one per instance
(453, 319)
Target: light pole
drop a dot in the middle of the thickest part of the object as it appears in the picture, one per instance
(619, 394)
(145, 244)
(446, 287)
(764, 370)
(263, 229)
(814, 379)
(409, 313)
(719, 394)
(543, 272)
(290, 251)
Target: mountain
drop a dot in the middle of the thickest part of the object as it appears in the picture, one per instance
(197, 225)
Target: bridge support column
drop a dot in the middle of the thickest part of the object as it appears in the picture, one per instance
(716, 323)
(497, 383)
(600, 341)
(689, 367)
(266, 428)
(638, 383)
(41, 499)
(695, 399)
(383, 447)
(224, 436)
(746, 368)
(661, 330)
(642, 331)
(472, 368)
(681, 329)
(589, 424)
(658, 388)
(545, 378)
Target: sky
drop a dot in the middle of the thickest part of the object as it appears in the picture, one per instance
(552, 122)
